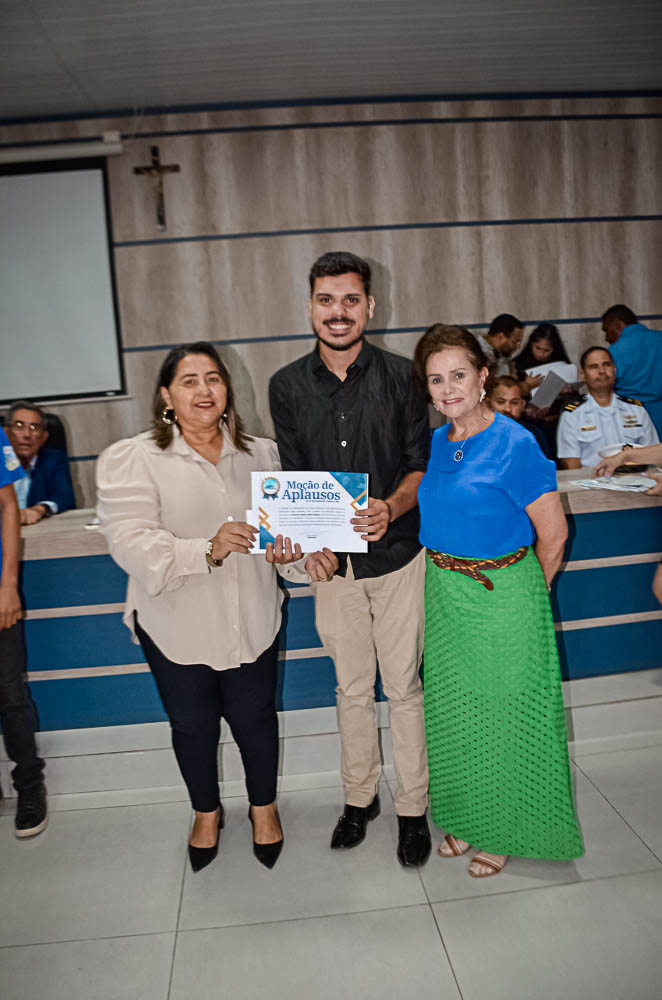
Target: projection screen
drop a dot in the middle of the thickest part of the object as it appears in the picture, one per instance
(59, 335)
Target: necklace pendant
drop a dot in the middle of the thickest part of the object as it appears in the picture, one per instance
(459, 455)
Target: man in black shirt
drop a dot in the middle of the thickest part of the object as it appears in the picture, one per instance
(351, 407)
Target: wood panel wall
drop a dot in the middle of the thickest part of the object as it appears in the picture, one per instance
(547, 209)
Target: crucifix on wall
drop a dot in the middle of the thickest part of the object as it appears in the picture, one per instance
(155, 172)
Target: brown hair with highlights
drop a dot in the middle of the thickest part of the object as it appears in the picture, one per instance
(438, 338)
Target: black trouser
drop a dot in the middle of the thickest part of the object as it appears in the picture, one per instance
(17, 711)
(195, 697)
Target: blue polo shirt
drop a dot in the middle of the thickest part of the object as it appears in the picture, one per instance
(10, 469)
(637, 355)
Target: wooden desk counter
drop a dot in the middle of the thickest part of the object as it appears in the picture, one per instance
(577, 500)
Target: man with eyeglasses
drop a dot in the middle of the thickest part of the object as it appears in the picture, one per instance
(46, 488)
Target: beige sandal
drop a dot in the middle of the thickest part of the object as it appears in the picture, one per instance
(455, 850)
(482, 859)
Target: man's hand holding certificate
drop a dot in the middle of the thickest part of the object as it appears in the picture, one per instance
(316, 510)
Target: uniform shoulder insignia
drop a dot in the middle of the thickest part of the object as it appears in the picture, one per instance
(569, 407)
(626, 399)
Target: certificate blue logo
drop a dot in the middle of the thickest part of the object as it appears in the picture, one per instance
(270, 488)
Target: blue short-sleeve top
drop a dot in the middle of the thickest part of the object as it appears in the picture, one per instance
(475, 507)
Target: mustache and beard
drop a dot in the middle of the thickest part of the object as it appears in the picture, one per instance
(336, 340)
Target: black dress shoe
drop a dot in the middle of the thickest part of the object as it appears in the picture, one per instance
(266, 854)
(414, 841)
(200, 857)
(351, 827)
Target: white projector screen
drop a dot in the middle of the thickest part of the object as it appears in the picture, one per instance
(58, 325)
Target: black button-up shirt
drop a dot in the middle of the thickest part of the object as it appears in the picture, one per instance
(376, 421)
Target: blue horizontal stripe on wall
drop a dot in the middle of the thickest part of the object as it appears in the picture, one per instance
(87, 702)
(387, 122)
(600, 593)
(309, 102)
(344, 123)
(369, 333)
(78, 580)
(614, 649)
(83, 641)
(614, 533)
(388, 227)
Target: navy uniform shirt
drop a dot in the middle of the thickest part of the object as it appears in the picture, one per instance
(586, 427)
(376, 421)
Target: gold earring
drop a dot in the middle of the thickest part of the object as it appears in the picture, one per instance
(168, 416)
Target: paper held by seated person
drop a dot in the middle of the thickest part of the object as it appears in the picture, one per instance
(312, 508)
(556, 375)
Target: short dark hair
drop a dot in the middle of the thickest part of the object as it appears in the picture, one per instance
(439, 337)
(589, 350)
(23, 404)
(162, 432)
(504, 323)
(337, 262)
(620, 313)
(508, 381)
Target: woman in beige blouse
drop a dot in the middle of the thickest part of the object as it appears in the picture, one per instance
(172, 504)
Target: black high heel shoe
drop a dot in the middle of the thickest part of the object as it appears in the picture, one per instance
(266, 854)
(200, 857)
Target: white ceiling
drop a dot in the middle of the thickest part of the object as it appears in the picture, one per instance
(78, 56)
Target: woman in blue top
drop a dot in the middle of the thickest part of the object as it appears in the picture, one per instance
(497, 743)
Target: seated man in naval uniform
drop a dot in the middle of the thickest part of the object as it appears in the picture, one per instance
(46, 488)
(601, 417)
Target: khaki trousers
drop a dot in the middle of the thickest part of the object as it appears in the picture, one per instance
(362, 622)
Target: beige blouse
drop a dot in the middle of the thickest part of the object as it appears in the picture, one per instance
(158, 509)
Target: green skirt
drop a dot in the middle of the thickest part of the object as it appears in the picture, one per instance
(494, 716)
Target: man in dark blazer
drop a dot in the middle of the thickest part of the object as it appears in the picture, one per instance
(47, 487)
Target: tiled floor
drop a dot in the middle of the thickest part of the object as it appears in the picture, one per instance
(103, 906)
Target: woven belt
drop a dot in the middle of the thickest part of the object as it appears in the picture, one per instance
(473, 567)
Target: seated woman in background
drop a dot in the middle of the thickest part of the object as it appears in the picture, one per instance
(504, 395)
(495, 722)
(172, 503)
(543, 346)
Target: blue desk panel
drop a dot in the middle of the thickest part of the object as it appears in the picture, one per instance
(612, 649)
(123, 699)
(81, 641)
(599, 593)
(74, 642)
(65, 583)
(614, 533)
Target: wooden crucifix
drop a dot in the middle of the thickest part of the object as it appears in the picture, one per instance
(155, 172)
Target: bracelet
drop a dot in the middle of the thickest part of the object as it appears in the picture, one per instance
(211, 562)
(390, 512)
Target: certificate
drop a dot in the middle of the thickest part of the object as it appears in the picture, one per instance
(312, 508)
(555, 374)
